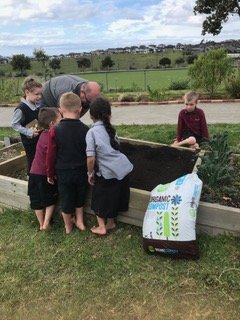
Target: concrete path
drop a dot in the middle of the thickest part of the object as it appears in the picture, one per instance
(226, 112)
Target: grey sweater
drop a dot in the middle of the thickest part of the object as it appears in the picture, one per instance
(55, 87)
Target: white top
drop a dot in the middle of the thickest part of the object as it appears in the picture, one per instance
(111, 163)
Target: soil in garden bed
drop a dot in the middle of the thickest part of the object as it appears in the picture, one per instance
(157, 165)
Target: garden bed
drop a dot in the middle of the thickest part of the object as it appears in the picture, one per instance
(212, 218)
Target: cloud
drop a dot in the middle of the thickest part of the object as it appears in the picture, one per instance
(88, 25)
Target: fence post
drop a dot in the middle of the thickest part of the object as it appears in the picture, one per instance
(106, 81)
(145, 80)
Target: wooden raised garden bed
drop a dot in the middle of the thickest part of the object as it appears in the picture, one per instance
(154, 163)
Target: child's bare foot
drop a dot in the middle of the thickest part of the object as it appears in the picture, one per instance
(110, 225)
(80, 225)
(40, 228)
(101, 231)
(46, 226)
(68, 228)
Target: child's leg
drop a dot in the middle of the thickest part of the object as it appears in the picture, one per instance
(79, 221)
(40, 216)
(110, 224)
(190, 141)
(48, 215)
(67, 218)
(101, 229)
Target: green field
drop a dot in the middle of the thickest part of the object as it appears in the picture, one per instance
(156, 79)
(135, 80)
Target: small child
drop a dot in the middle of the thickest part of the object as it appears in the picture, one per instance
(108, 168)
(192, 127)
(67, 157)
(27, 113)
(43, 196)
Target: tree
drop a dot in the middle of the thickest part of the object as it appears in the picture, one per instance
(83, 63)
(55, 64)
(190, 59)
(179, 61)
(209, 70)
(21, 62)
(107, 62)
(217, 11)
(42, 57)
(165, 62)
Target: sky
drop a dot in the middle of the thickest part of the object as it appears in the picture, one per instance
(61, 27)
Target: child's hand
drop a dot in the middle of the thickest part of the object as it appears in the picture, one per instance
(50, 180)
(91, 178)
(35, 132)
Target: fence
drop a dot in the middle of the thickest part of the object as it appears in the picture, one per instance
(132, 80)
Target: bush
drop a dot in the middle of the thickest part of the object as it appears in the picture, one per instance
(156, 95)
(126, 98)
(142, 97)
(216, 170)
(179, 85)
(232, 85)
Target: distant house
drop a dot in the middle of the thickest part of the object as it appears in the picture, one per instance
(3, 60)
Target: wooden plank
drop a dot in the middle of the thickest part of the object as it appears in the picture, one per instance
(13, 193)
(12, 165)
(18, 146)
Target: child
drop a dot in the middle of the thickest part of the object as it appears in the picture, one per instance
(25, 114)
(108, 168)
(192, 127)
(67, 156)
(43, 196)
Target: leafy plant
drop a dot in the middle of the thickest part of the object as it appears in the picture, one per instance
(157, 94)
(179, 85)
(232, 85)
(216, 170)
(209, 70)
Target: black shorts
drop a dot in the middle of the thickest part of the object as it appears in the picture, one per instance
(110, 196)
(72, 188)
(41, 193)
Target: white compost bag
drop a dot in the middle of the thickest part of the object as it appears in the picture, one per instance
(169, 225)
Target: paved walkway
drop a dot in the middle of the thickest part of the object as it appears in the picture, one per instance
(226, 112)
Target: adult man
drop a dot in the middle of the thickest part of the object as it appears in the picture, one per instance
(55, 87)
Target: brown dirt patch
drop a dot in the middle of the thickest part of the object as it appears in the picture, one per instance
(157, 165)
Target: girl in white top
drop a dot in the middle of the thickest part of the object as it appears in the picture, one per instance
(108, 168)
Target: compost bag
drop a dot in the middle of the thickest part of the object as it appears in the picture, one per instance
(169, 225)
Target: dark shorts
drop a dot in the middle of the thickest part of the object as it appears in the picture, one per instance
(41, 193)
(110, 196)
(72, 188)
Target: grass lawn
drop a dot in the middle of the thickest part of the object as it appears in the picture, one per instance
(158, 133)
(48, 275)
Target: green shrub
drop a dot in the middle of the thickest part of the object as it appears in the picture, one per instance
(232, 85)
(216, 170)
(126, 98)
(157, 94)
(179, 85)
(142, 97)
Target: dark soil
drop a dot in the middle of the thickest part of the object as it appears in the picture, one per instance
(157, 165)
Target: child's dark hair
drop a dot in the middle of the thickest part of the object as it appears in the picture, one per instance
(100, 109)
(30, 84)
(46, 115)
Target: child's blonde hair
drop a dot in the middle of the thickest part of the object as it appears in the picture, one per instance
(30, 83)
(191, 96)
(70, 101)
